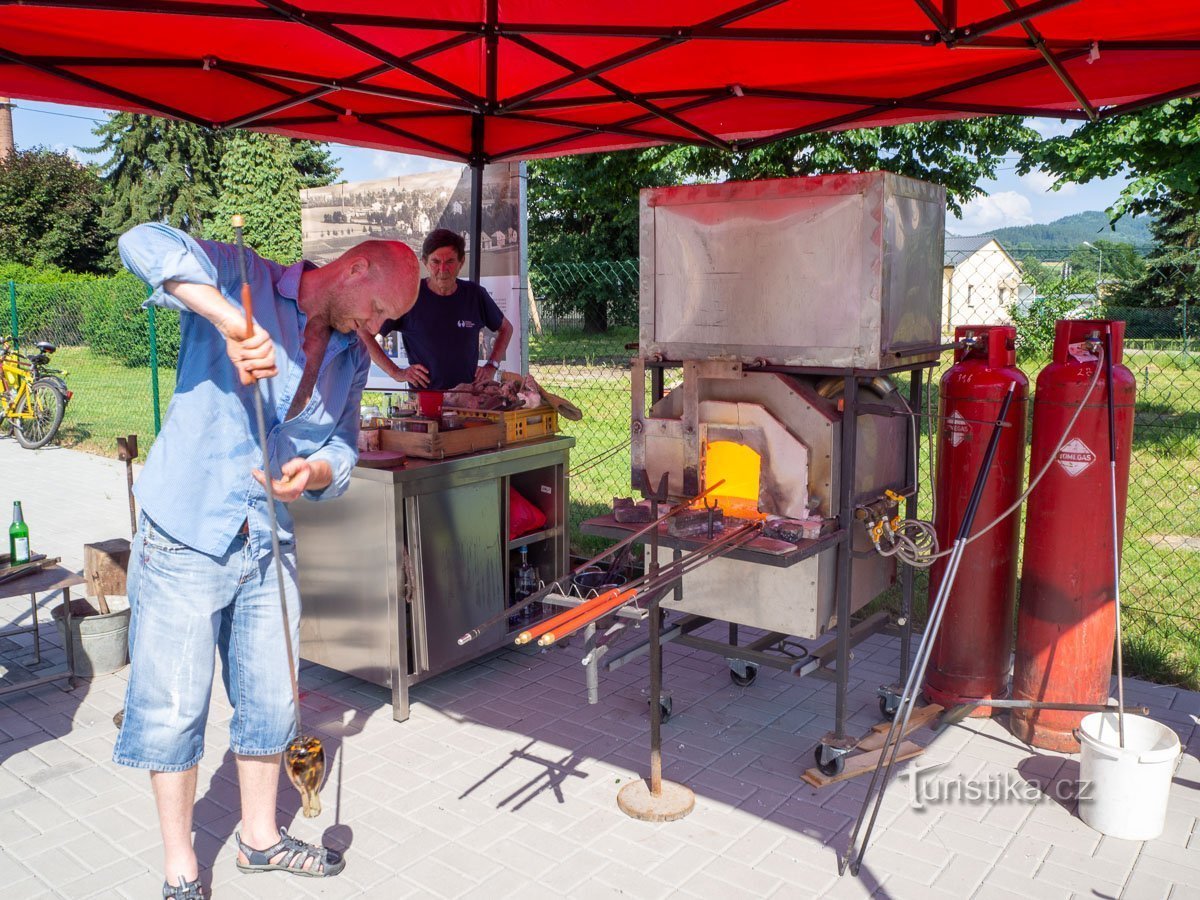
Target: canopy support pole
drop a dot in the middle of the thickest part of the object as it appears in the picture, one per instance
(477, 162)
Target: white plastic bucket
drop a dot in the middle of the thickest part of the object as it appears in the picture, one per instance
(1124, 790)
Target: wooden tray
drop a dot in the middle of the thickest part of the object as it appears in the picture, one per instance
(432, 442)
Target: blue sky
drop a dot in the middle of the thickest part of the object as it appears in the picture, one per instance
(1011, 200)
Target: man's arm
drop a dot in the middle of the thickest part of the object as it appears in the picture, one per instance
(487, 372)
(183, 277)
(416, 375)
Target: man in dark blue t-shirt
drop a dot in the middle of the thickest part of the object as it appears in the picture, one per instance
(441, 331)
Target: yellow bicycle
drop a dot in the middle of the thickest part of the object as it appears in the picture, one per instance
(33, 398)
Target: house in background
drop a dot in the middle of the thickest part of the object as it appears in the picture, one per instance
(980, 282)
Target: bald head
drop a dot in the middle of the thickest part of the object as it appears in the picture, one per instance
(365, 286)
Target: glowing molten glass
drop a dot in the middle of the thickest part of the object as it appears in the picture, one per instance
(740, 467)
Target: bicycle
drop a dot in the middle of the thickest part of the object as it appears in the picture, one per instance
(33, 396)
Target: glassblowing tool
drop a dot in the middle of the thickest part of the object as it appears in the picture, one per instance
(304, 758)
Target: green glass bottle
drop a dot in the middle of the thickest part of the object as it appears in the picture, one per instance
(18, 537)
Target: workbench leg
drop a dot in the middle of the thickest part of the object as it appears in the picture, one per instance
(37, 636)
(593, 667)
(910, 512)
(70, 641)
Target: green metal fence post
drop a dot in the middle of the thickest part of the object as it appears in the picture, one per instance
(12, 305)
(154, 366)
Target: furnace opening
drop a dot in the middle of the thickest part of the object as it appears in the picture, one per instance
(740, 467)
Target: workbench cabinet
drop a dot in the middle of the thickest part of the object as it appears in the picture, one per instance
(393, 572)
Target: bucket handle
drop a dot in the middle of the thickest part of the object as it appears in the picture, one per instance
(1108, 751)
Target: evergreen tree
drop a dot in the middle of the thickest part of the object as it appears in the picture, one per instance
(1172, 270)
(158, 170)
(259, 181)
(161, 170)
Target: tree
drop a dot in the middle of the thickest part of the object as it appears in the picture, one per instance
(1158, 148)
(158, 170)
(1109, 261)
(1171, 274)
(585, 209)
(956, 154)
(50, 212)
(259, 181)
(161, 170)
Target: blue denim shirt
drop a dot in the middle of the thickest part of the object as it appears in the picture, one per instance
(196, 484)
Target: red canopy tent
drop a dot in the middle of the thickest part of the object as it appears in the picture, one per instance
(482, 81)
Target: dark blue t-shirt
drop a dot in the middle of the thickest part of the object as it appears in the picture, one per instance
(442, 333)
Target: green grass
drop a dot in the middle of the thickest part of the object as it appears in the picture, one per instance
(109, 400)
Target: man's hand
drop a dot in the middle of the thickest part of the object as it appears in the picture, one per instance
(299, 475)
(252, 356)
(417, 375)
(486, 373)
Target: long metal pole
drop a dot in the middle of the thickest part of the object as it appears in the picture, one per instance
(1116, 538)
(655, 521)
(12, 310)
(247, 304)
(924, 651)
(845, 550)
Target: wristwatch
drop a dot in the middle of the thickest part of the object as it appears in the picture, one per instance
(493, 364)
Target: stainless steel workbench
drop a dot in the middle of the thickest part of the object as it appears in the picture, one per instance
(393, 572)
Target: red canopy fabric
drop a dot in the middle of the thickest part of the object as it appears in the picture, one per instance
(485, 80)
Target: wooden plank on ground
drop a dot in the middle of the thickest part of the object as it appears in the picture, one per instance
(859, 764)
(922, 715)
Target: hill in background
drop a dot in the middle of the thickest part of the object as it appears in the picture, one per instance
(1056, 240)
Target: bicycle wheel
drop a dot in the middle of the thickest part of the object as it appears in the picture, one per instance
(47, 405)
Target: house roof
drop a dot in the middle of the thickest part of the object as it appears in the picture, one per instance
(958, 249)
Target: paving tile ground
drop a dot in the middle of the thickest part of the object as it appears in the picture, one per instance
(504, 781)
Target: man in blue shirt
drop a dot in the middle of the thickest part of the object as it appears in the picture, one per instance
(441, 331)
(201, 572)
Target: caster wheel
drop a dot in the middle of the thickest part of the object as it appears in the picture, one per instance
(744, 680)
(831, 768)
(888, 707)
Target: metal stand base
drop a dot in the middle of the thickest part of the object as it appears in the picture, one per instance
(675, 801)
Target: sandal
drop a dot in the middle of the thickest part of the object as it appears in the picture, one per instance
(185, 890)
(295, 855)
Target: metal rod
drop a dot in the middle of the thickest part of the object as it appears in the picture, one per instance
(571, 620)
(910, 512)
(1116, 538)
(845, 548)
(619, 545)
(248, 305)
(655, 669)
(1040, 704)
(924, 651)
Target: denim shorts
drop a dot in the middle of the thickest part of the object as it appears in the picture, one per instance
(185, 605)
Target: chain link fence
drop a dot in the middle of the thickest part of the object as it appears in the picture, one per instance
(583, 332)
(118, 360)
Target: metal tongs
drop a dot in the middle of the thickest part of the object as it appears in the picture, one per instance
(304, 758)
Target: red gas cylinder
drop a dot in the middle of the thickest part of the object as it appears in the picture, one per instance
(1065, 624)
(971, 654)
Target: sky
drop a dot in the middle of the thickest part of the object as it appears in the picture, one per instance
(1011, 199)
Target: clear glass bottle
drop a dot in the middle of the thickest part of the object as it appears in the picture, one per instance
(18, 537)
(525, 582)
